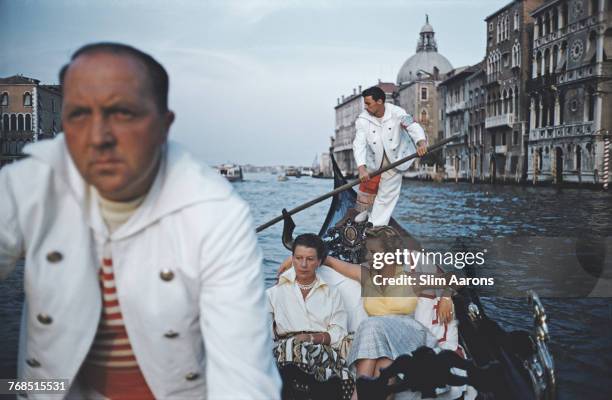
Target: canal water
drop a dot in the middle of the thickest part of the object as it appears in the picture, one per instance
(528, 221)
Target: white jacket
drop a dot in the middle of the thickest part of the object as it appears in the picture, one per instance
(372, 138)
(192, 224)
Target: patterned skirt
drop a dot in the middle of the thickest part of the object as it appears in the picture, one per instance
(321, 361)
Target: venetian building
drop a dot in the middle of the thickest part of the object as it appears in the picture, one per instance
(507, 68)
(418, 79)
(570, 89)
(29, 112)
(462, 103)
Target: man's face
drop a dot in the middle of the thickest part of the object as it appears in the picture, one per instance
(374, 107)
(305, 262)
(113, 127)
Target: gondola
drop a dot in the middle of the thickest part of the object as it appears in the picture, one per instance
(502, 365)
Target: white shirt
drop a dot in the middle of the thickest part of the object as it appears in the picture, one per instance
(321, 311)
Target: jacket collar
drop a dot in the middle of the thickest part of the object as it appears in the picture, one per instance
(387, 116)
(178, 184)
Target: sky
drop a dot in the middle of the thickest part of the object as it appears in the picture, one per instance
(251, 81)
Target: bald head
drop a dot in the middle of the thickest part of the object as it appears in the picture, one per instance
(156, 76)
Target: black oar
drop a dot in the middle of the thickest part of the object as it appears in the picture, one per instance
(354, 183)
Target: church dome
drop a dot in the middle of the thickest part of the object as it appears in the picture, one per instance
(423, 61)
(427, 28)
(426, 58)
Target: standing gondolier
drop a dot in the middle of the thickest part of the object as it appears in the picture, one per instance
(381, 139)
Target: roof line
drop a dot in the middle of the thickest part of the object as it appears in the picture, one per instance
(501, 9)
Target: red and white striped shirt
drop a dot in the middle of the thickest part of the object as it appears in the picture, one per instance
(111, 368)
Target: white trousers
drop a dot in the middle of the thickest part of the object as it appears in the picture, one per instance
(388, 193)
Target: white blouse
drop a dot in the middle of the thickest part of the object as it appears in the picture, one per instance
(321, 311)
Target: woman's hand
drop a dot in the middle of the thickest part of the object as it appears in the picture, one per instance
(445, 310)
(285, 265)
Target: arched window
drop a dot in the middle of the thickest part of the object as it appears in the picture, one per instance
(5, 123)
(13, 122)
(516, 101)
(498, 31)
(516, 21)
(510, 102)
(4, 100)
(20, 122)
(517, 51)
(27, 99)
(28, 122)
(505, 102)
(578, 159)
(507, 21)
(424, 116)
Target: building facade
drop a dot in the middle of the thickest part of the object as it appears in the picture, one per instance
(29, 112)
(463, 102)
(570, 90)
(507, 69)
(455, 117)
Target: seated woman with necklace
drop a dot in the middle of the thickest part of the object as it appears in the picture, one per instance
(309, 319)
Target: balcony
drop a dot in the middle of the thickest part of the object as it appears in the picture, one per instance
(18, 135)
(499, 121)
(550, 37)
(501, 149)
(544, 81)
(457, 106)
(493, 78)
(559, 131)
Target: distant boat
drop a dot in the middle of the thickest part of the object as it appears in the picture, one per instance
(282, 178)
(292, 171)
(232, 172)
(306, 171)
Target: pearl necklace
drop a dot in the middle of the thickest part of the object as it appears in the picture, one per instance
(306, 287)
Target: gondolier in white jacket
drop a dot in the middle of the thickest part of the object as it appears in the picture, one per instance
(380, 140)
(142, 274)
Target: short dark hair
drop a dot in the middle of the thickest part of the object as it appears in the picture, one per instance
(312, 241)
(157, 74)
(376, 93)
